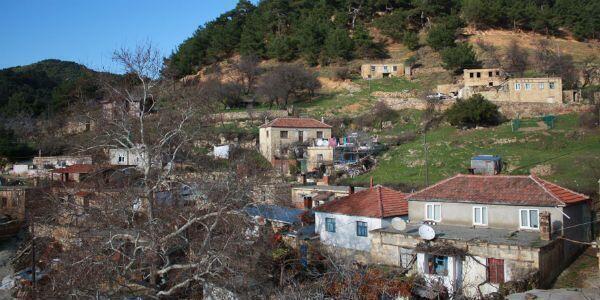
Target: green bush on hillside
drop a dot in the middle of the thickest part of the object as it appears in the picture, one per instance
(475, 111)
(460, 57)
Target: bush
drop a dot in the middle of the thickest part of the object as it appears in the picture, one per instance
(342, 73)
(460, 57)
(411, 40)
(440, 36)
(475, 111)
(589, 119)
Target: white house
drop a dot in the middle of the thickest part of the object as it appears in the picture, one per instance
(128, 156)
(345, 222)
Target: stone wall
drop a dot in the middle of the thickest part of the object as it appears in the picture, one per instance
(508, 109)
(250, 114)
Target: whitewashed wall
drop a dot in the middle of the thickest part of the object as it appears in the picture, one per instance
(345, 230)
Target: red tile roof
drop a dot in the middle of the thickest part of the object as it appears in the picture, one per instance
(499, 189)
(377, 202)
(296, 123)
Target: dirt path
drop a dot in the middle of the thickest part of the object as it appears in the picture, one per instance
(582, 273)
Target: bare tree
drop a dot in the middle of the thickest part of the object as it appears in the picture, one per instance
(161, 231)
(516, 58)
(249, 71)
(286, 83)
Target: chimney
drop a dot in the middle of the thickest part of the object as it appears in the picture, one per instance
(322, 119)
(266, 120)
(371, 183)
(545, 226)
(351, 190)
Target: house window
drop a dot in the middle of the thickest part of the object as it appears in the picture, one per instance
(471, 75)
(517, 86)
(4, 202)
(551, 85)
(361, 228)
(121, 158)
(372, 68)
(497, 73)
(480, 215)
(283, 134)
(330, 224)
(385, 68)
(319, 134)
(541, 86)
(319, 157)
(528, 86)
(267, 133)
(395, 68)
(433, 212)
(437, 265)
(495, 270)
(529, 218)
(406, 257)
(478, 74)
(490, 74)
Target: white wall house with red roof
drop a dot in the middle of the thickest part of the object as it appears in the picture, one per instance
(346, 222)
(489, 230)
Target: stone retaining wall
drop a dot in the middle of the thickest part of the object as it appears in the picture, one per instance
(508, 109)
(252, 114)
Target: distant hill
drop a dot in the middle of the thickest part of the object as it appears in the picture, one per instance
(324, 32)
(45, 87)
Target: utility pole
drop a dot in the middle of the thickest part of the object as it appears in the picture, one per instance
(33, 267)
(426, 150)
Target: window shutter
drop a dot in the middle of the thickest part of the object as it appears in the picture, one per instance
(495, 270)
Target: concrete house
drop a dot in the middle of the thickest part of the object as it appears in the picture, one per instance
(495, 85)
(483, 77)
(489, 230)
(276, 136)
(347, 222)
(135, 156)
(52, 162)
(375, 71)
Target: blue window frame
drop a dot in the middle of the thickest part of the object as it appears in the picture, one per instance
(361, 228)
(330, 224)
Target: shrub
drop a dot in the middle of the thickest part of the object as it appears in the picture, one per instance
(440, 37)
(460, 57)
(475, 111)
(411, 40)
(342, 73)
(589, 119)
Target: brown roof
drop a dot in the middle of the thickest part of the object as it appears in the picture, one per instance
(296, 123)
(377, 202)
(499, 189)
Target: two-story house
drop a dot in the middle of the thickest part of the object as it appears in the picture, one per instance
(276, 136)
(345, 222)
(489, 230)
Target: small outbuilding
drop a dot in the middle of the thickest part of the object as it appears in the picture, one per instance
(486, 165)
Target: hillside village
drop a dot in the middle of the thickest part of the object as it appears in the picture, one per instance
(445, 157)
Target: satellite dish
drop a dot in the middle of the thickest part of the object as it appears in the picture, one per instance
(426, 232)
(398, 224)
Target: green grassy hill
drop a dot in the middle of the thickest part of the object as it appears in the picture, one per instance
(566, 155)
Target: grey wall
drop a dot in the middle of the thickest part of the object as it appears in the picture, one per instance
(499, 216)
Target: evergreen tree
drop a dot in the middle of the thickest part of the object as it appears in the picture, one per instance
(459, 57)
(338, 45)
